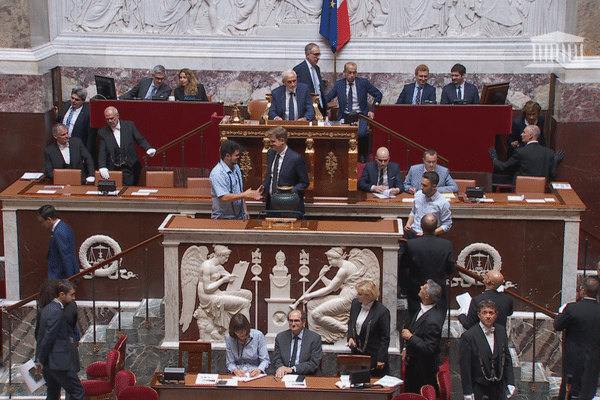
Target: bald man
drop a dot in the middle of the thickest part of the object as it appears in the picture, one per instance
(504, 302)
(381, 174)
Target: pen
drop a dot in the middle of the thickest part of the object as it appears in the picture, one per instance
(274, 377)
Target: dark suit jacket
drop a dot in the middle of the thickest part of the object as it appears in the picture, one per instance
(519, 125)
(303, 100)
(427, 257)
(80, 159)
(422, 351)
(62, 261)
(311, 352)
(108, 150)
(374, 333)
(581, 347)
(504, 303)
(406, 96)
(54, 343)
(292, 173)
(530, 160)
(362, 87)
(82, 128)
(471, 95)
(475, 351)
(200, 96)
(370, 175)
(303, 74)
(139, 91)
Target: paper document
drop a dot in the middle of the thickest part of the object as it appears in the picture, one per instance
(32, 378)
(561, 186)
(31, 176)
(42, 191)
(464, 301)
(516, 198)
(227, 382)
(408, 200)
(148, 190)
(207, 379)
(448, 195)
(289, 378)
(385, 195)
(389, 381)
(247, 377)
(295, 384)
(344, 382)
(535, 200)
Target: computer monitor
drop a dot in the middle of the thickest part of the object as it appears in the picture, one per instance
(105, 87)
(494, 93)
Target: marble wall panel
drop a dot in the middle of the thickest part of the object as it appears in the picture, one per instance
(14, 24)
(588, 16)
(26, 93)
(577, 102)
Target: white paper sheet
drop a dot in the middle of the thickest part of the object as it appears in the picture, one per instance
(28, 371)
(207, 379)
(464, 301)
(389, 381)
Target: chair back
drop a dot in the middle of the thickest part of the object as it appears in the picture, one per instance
(112, 359)
(445, 384)
(124, 379)
(352, 363)
(67, 177)
(256, 108)
(163, 179)
(428, 392)
(408, 396)
(530, 184)
(195, 352)
(121, 347)
(116, 176)
(464, 183)
(203, 183)
(138, 393)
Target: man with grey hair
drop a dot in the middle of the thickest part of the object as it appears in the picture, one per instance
(77, 118)
(309, 72)
(148, 88)
(531, 160)
(291, 101)
(422, 341)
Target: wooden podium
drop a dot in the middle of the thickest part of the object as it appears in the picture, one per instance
(330, 154)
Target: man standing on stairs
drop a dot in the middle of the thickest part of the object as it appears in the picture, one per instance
(504, 301)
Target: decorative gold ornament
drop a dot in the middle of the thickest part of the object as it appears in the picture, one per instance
(96, 348)
(245, 164)
(148, 324)
(310, 145)
(265, 114)
(331, 165)
(236, 117)
(315, 104)
(353, 146)
(266, 143)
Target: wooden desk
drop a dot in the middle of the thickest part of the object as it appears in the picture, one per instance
(267, 388)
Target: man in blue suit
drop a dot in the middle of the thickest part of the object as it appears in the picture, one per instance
(286, 168)
(308, 72)
(291, 101)
(55, 347)
(459, 90)
(418, 92)
(62, 261)
(381, 175)
(351, 93)
(77, 119)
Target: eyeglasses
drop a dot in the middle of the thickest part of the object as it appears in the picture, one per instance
(294, 320)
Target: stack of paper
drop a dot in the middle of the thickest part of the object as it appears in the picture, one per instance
(207, 379)
(389, 381)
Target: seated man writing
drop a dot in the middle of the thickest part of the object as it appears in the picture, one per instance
(381, 175)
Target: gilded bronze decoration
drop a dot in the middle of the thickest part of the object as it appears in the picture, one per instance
(331, 164)
(245, 164)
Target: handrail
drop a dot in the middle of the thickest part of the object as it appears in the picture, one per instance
(89, 270)
(398, 136)
(180, 139)
(516, 296)
(590, 234)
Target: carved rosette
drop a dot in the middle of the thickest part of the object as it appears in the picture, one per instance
(245, 164)
(331, 164)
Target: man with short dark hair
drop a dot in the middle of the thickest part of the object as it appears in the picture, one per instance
(148, 88)
(68, 153)
(292, 100)
(61, 259)
(308, 72)
(459, 90)
(55, 350)
(297, 350)
(419, 92)
(381, 175)
(429, 201)
(581, 345)
(227, 186)
(422, 341)
(415, 174)
(485, 362)
(77, 119)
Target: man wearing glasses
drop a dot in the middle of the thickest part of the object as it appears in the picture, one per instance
(297, 350)
(308, 72)
(148, 88)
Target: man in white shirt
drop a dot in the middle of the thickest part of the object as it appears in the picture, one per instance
(68, 153)
(308, 72)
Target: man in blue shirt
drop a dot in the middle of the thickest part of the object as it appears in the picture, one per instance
(412, 183)
(429, 201)
(227, 187)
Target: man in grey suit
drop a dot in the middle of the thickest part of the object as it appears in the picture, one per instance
(68, 154)
(297, 350)
(412, 183)
(150, 88)
(292, 100)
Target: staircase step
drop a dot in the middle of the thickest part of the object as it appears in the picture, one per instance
(155, 312)
(127, 327)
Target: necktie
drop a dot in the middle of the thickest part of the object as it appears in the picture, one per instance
(154, 91)
(150, 92)
(316, 84)
(380, 180)
(68, 123)
(458, 93)
(291, 114)
(275, 174)
(418, 99)
(350, 95)
(294, 351)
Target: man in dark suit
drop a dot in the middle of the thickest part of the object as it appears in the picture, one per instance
(297, 350)
(418, 92)
(459, 90)
(381, 175)
(427, 257)
(351, 93)
(77, 119)
(150, 88)
(291, 101)
(62, 261)
(531, 116)
(117, 149)
(55, 346)
(485, 372)
(68, 154)
(289, 168)
(531, 160)
(504, 301)
(581, 345)
(308, 72)
(422, 341)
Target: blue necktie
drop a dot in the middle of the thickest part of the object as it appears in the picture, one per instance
(418, 99)
(291, 114)
(350, 95)
(316, 85)
(458, 93)
(68, 123)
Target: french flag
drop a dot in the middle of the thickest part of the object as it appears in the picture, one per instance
(335, 23)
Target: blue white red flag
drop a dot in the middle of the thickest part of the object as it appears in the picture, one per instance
(335, 23)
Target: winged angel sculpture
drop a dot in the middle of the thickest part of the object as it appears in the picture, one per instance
(203, 275)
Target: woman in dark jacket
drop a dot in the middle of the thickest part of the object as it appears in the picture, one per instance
(188, 88)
